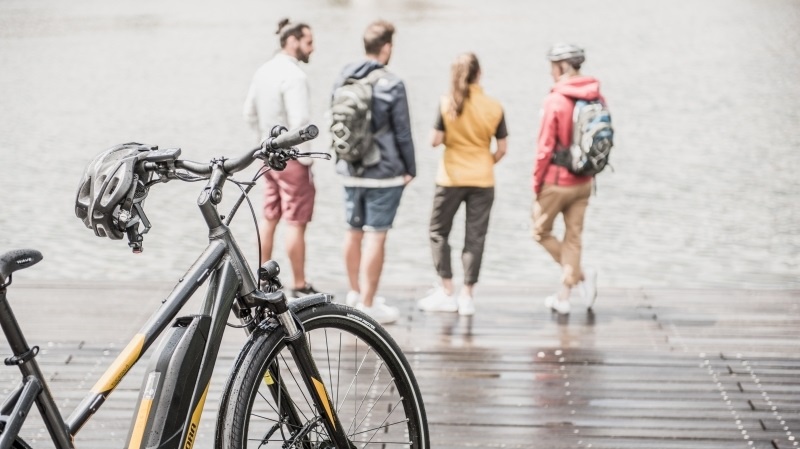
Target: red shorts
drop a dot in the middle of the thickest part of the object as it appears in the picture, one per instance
(290, 194)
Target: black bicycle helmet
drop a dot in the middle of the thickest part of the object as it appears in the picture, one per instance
(112, 183)
(566, 52)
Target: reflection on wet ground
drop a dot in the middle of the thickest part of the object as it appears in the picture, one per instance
(645, 369)
(648, 368)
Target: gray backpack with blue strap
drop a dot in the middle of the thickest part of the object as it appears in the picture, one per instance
(592, 139)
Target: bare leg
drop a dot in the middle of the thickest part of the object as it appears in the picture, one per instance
(467, 290)
(267, 236)
(447, 285)
(296, 249)
(563, 294)
(373, 265)
(352, 257)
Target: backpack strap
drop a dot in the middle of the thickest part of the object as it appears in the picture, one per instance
(371, 79)
(373, 76)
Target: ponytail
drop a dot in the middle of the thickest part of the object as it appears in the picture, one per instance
(463, 72)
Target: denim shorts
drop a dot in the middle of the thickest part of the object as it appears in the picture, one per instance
(371, 208)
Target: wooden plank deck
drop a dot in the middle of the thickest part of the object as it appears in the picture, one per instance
(649, 368)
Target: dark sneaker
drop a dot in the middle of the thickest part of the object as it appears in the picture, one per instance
(306, 290)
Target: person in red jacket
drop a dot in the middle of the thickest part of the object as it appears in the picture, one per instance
(557, 190)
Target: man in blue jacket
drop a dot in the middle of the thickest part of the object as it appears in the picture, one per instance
(372, 194)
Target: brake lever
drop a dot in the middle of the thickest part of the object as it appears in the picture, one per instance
(315, 155)
(277, 161)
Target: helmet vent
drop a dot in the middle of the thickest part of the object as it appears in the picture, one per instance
(112, 186)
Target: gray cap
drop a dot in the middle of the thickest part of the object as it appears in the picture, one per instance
(566, 52)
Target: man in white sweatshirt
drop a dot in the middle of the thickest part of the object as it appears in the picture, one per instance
(279, 95)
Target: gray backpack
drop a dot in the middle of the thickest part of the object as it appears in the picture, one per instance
(351, 121)
(592, 139)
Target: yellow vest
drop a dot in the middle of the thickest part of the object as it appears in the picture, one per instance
(467, 160)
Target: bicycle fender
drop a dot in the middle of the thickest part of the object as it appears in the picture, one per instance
(305, 302)
(296, 306)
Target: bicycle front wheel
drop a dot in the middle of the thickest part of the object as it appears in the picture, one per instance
(367, 377)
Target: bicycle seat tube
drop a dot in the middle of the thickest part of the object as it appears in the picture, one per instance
(33, 382)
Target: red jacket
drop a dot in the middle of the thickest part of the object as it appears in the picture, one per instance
(556, 130)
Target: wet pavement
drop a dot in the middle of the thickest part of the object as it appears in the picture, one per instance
(647, 368)
(704, 98)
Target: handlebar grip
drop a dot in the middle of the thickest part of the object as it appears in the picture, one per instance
(293, 137)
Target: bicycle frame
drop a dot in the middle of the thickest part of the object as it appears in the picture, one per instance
(185, 359)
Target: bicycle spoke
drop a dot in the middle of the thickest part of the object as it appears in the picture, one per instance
(280, 396)
(407, 443)
(358, 370)
(382, 426)
(384, 421)
(299, 387)
(328, 353)
(366, 394)
(373, 405)
(339, 368)
(269, 403)
(265, 418)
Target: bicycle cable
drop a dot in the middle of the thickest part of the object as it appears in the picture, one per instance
(244, 196)
(250, 320)
(245, 192)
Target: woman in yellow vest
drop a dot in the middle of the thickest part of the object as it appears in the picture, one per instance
(467, 121)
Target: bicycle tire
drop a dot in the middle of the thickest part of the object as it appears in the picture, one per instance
(359, 346)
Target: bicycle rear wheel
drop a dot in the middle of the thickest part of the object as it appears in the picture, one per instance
(367, 377)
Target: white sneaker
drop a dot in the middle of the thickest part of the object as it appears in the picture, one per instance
(438, 301)
(380, 312)
(588, 287)
(353, 298)
(552, 302)
(466, 305)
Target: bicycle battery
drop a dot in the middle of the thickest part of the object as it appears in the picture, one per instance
(166, 395)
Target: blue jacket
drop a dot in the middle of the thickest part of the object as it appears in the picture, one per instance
(389, 106)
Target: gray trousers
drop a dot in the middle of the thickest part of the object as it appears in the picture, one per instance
(446, 202)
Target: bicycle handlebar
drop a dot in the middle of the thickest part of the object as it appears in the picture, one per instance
(276, 150)
(289, 139)
(197, 168)
(285, 140)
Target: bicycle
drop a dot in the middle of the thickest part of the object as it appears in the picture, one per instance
(297, 382)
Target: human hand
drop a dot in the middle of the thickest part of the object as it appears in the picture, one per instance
(407, 179)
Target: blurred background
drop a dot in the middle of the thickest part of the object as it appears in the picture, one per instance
(704, 97)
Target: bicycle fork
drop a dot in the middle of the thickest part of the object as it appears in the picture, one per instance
(301, 352)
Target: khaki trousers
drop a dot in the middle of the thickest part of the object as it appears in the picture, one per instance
(571, 202)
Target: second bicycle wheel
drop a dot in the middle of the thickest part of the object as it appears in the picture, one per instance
(368, 379)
